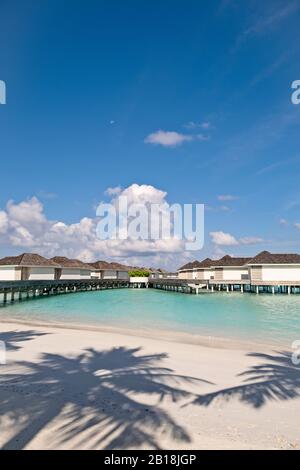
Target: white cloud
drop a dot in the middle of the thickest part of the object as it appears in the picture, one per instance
(3, 222)
(113, 191)
(283, 222)
(27, 212)
(251, 240)
(25, 226)
(167, 138)
(226, 239)
(297, 226)
(172, 138)
(223, 239)
(227, 197)
(142, 194)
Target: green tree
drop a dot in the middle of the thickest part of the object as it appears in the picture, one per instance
(139, 273)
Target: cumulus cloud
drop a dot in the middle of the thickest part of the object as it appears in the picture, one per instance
(223, 239)
(143, 194)
(226, 239)
(26, 213)
(113, 191)
(3, 222)
(171, 138)
(24, 226)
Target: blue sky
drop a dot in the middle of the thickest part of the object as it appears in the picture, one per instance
(90, 84)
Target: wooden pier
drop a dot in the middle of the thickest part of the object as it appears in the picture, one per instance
(10, 291)
(187, 286)
(195, 286)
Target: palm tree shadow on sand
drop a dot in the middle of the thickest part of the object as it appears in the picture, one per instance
(95, 394)
(13, 339)
(275, 379)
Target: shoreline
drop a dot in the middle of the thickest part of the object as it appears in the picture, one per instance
(208, 341)
(213, 333)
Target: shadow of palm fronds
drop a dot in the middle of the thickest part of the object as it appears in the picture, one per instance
(276, 379)
(96, 395)
(13, 339)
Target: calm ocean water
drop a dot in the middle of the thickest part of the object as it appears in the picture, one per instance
(258, 318)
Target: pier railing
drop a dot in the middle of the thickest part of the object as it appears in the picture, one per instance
(24, 290)
(21, 290)
(194, 286)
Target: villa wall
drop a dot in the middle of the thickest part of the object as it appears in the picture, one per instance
(218, 274)
(187, 275)
(68, 273)
(7, 273)
(85, 274)
(123, 275)
(40, 273)
(255, 273)
(109, 274)
(96, 274)
(204, 274)
(181, 275)
(234, 274)
(75, 273)
(281, 273)
(199, 274)
(139, 280)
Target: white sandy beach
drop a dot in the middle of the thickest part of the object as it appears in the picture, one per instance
(65, 388)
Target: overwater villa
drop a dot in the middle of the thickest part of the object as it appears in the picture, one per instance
(202, 270)
(264, 272)
(189, 270)
(71, 268)
(105, 270)
(229, 268)
(27, 267)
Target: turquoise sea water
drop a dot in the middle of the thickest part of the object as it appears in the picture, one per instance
(259, 318)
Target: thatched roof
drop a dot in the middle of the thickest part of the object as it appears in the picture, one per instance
(190, 265)
(28, 259)
(265, 257)
(105, 265)
(64, 262)
(206, 263)
(226, 261)
(100, 265)
(120, 267)
(229, 261)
